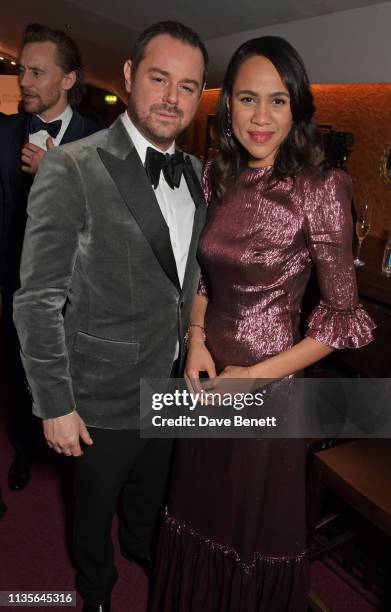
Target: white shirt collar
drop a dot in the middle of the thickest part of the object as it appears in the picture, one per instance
(65, 117)
(140, 143)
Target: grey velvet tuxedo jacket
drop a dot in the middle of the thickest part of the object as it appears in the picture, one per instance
(100, 304)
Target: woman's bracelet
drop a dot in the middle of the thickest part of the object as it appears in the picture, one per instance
(187, 335)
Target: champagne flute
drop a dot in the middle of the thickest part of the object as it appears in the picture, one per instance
(363, 224)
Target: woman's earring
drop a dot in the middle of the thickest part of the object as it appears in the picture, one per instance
(228, 126)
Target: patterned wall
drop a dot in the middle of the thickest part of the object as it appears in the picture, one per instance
(365, 110)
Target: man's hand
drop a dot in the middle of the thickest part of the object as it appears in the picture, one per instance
(32, 155)
(63, 434)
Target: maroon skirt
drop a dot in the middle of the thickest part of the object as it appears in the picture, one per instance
(233, 538)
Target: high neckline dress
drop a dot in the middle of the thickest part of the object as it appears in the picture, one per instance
(234, 538)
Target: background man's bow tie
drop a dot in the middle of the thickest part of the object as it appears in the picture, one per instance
(171, 165)
(52, 128)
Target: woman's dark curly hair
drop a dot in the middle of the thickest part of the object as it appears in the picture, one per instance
(302, 143)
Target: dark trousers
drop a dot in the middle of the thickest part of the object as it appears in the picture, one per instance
(118, 462)
(21, 422)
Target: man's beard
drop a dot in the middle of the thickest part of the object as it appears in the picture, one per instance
(159, 134)
(39, 106)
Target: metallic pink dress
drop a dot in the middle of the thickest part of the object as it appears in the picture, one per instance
(233, 539)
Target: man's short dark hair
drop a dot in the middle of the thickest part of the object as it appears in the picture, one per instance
(175, 30)
(68, 55)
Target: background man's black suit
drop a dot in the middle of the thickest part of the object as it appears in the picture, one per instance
(14, 190)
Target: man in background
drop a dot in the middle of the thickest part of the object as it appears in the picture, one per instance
(51, 82)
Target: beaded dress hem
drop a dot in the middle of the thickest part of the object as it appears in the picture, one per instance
(197, 564)
(175, 526)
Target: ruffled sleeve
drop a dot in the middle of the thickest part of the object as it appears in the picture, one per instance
(341, 328)
(339, 321)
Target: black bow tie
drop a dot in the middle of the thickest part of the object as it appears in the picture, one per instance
(52, 128)
(172, 166)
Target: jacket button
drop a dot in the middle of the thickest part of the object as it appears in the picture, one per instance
(181, 305)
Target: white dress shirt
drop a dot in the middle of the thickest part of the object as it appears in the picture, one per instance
(176, 205)
(40, 138)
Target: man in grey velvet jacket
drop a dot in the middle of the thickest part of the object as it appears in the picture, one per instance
(50, 78)
(118, 257)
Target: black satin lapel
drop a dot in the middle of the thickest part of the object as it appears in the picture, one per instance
(197, 194)
(74, 130)
(20, 180)
(193, 183)
(198, 224)
(24, 128)
(132, 182)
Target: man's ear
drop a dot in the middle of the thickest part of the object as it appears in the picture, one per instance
(128, 75)
(68, 80)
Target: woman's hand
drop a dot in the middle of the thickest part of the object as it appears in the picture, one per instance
(237, 372)
(199, 360)
(233, 379)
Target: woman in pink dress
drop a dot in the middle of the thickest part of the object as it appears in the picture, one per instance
(233, 539)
